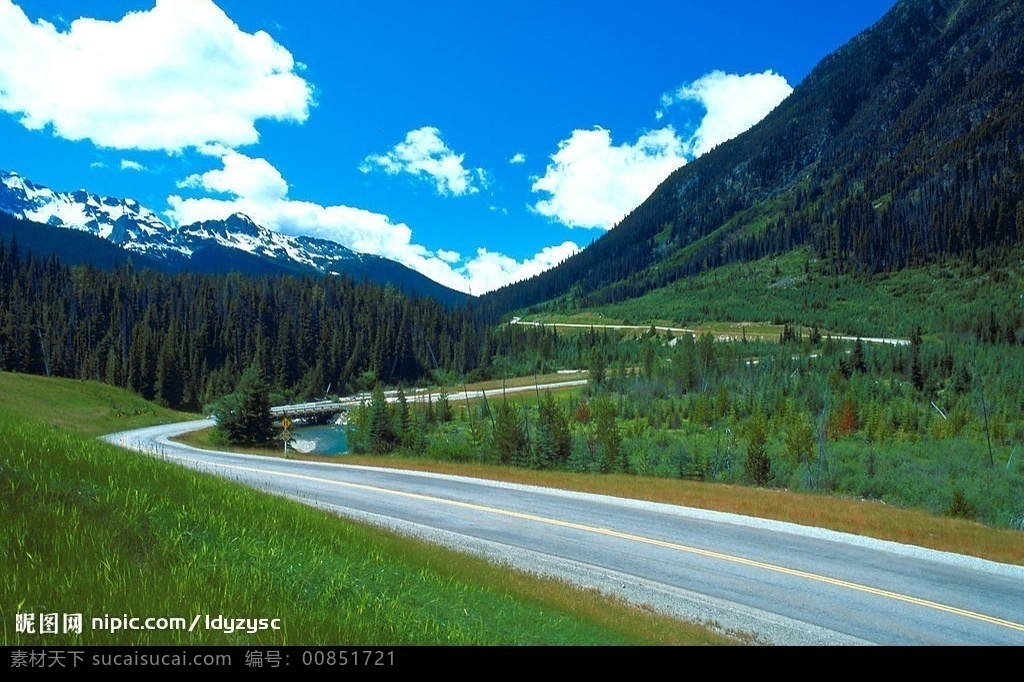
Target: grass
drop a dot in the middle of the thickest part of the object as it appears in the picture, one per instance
(93, 530)
(456, 393)
(204, 440)
(789, 288)
(87, 408)
(586, 318)
(752, 331)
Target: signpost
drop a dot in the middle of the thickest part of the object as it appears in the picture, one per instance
(285, 434)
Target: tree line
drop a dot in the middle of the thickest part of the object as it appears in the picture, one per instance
(186, 339)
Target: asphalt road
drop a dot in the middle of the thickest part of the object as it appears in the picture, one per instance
(780, 582)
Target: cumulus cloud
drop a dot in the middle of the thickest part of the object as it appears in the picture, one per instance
(593, 183)
(733, 104)
(424, 154)
(242, 176)
(179, 75)
(258, 190)
(518, 157)
(490, 270)
(128, 164)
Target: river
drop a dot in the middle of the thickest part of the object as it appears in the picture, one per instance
(329, 439)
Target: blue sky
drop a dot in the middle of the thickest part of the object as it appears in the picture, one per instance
(477, 142)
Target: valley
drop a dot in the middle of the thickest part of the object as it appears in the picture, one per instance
(816, 321)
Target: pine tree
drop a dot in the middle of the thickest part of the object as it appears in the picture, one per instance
(243, 417)
(509, 435)
(382, 434)
(444, 408)
(403, 419)
(758, 465)
(608, 437)
(553, 441)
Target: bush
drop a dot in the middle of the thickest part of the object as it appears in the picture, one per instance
(959, 507)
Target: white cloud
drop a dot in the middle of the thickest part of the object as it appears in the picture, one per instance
(177, 76)
(518, 157)
(128, 164)
(490, 270)
(424, 153)
(594, 183)
(259, 191)
(734, 104)
(242, 176)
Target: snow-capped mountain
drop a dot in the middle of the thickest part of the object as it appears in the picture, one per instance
(236, 243)
(241, 233)
(122, 221)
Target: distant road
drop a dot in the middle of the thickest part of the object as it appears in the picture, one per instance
(781, 582)
(496, 392)
(685, 330)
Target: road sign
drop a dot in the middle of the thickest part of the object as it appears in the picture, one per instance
(285, 423)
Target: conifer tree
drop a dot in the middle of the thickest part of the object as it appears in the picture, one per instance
(758, 465)
(382, 433)
(553, 441)
(243, 417)
(509, 434)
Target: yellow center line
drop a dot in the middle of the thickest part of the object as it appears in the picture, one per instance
(649, 541)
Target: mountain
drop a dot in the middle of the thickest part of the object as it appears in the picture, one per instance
(217, 246)
(904, 147)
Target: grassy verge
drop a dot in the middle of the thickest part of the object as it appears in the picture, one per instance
(203, 439)
(87, 408)
(93, 530)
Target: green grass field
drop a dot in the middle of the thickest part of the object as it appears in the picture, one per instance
(86, 408)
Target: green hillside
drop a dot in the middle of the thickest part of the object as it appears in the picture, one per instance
(85, 408)
(901, 149)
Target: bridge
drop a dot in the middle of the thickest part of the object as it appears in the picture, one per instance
(315, 410)
(321, 409)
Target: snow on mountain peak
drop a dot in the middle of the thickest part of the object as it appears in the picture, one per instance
(136, 228)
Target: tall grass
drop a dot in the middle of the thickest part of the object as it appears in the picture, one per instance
(94, 530)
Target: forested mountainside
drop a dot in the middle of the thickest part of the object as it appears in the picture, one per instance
(185, 339)
(905, 146)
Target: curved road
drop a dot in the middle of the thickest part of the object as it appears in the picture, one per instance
(782, 583)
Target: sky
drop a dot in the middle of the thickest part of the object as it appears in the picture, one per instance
(476, 142)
